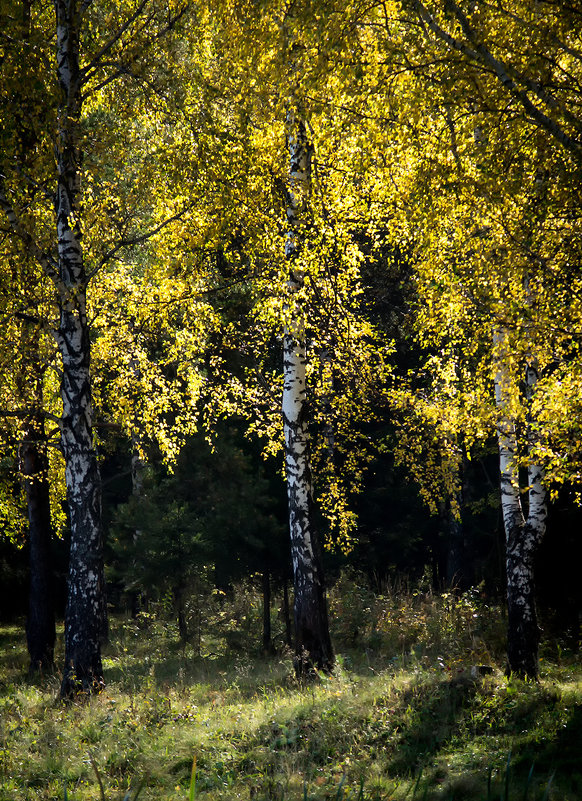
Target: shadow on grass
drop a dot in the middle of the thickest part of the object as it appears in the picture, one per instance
(431, 715)
(561, 753)
(14, 660)
(414, 724)
(12, 642)
(519, 734)
(174, 666)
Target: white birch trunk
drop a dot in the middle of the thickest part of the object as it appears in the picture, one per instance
(85, 624)
(138, 467)
(313, 644)
(523, 534)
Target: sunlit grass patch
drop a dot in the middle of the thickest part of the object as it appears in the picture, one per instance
(384, 727)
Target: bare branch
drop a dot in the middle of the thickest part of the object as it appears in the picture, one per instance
(44, 259)
(136, 240)
(95, 61)
(481, 55)
(23, 414)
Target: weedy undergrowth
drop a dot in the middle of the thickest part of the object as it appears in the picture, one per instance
(386, 726)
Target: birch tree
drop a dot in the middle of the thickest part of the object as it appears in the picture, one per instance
(507, 156)
(524, 529)
(289, 71)
(312, 640)
(93, 50)
(86, 616)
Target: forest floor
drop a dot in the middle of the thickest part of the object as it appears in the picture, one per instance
(416, 725)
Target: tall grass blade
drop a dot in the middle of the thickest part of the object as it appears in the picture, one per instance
(413, 785)
(99, 782)
(129, 797)
(340, 788)
(416, 786)
(489, 775)
(192, 794)
(505, 796)
(546, 794)
(140, 787)
(528, 782)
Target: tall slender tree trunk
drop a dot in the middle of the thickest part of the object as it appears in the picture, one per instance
(40, 624)
(86, 614)
(459, 574)
(286, 613)
(267, 641)
(523, 533)
(455, 577)
(138, 466)
(312, 640)
(86, 617)
(181, 614)
(33, 454)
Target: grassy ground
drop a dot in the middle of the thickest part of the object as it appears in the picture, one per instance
(405, 723)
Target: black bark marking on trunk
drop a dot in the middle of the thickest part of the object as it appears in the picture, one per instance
(523, 532)
(523, 632)
(312, 640)
(85, 621)
(86, 614)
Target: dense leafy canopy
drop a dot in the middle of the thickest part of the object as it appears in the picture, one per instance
(439, 238)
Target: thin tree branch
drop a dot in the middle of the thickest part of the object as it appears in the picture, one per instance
(46, 262)
(24, 414)
(505, 72)
(498, 8)
(136, 240)
(94, 63)
(481, 55)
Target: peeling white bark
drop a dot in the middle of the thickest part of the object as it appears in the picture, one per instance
(85, 624)
(313, 643)
(507, 439)
(523, 533)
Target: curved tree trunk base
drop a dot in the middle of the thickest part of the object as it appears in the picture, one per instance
(522, 647)
(313, 649)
